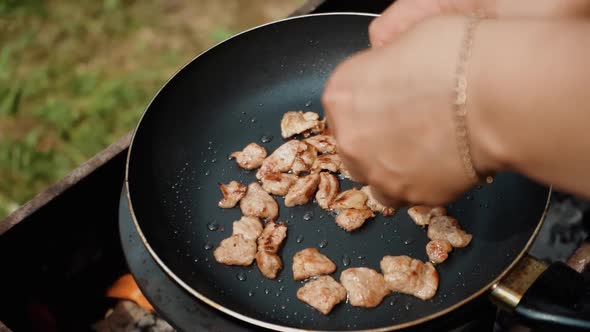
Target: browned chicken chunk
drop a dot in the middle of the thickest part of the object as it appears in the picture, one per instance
(298, 122)
(302, 191)
(251, 157)
(278, 183)
(323, 143)
(438, 250)
(306, 155)
(249, 227)
(422, 214)
(375, 205)
(232, 193)
(272, 236)
(311, 263)
(327, 190)
(258, 203)
(365, 287)
(322, 293)
(269, 243)
(448, 228)
(281, 160)
(350, 199)
(235, 250)
(353, 219)
(410, 276)
(330, 162)
(268, 263)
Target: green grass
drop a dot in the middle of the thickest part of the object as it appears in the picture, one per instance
(76, 75)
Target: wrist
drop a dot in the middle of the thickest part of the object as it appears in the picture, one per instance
(489, 151)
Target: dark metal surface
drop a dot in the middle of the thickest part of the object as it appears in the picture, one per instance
(177, 306)
(236, 93)
(56, 265)
(558, 299)
(186, 313)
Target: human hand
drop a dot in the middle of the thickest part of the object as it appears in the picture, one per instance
(403, 14)
(390, 110)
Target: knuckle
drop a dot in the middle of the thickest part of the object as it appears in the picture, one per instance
(347, 146)
(375, 31)
(382, 197)
(415, 197)
(329, 101)
(335, 94)
(400, 189)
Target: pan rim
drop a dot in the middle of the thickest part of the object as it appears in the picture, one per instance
(278, 327)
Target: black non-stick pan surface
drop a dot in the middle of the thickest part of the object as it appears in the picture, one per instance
(236, 93)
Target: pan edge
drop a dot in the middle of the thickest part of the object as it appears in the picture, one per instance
(277, 327)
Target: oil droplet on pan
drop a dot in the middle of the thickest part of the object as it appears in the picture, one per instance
(345, 260)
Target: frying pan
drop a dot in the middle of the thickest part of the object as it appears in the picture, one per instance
(236, 93)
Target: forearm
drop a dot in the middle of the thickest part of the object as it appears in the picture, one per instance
(531, 106)
(538, 8)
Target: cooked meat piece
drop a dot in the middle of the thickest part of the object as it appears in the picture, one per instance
(350, 199)
(330, 162)
(281, 160)
(235, 250)
(268, 263)
(410, 276)
(278, 183)
(297, 122)
(323, 143)
(251, 157)
(365, 287)
(421, 214)
(311, 263)
(306, 155)
(322, 293)
(438, 250)
(272, 237)
(269, 243)
(353, 219)
(327, 190)
(302, 191)
(448, 228)
(232, 193)
(258, 203)
(374, 204)
(249, 227)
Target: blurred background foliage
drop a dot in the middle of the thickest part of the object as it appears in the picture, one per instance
(75, 75)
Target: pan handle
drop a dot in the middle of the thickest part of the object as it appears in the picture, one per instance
(554, 297)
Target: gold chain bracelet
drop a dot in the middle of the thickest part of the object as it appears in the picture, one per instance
(460, 109)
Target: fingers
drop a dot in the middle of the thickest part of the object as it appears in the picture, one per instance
(398, 18)
(387, 199)
(338, 102)
(404, 14)
(338, 94)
